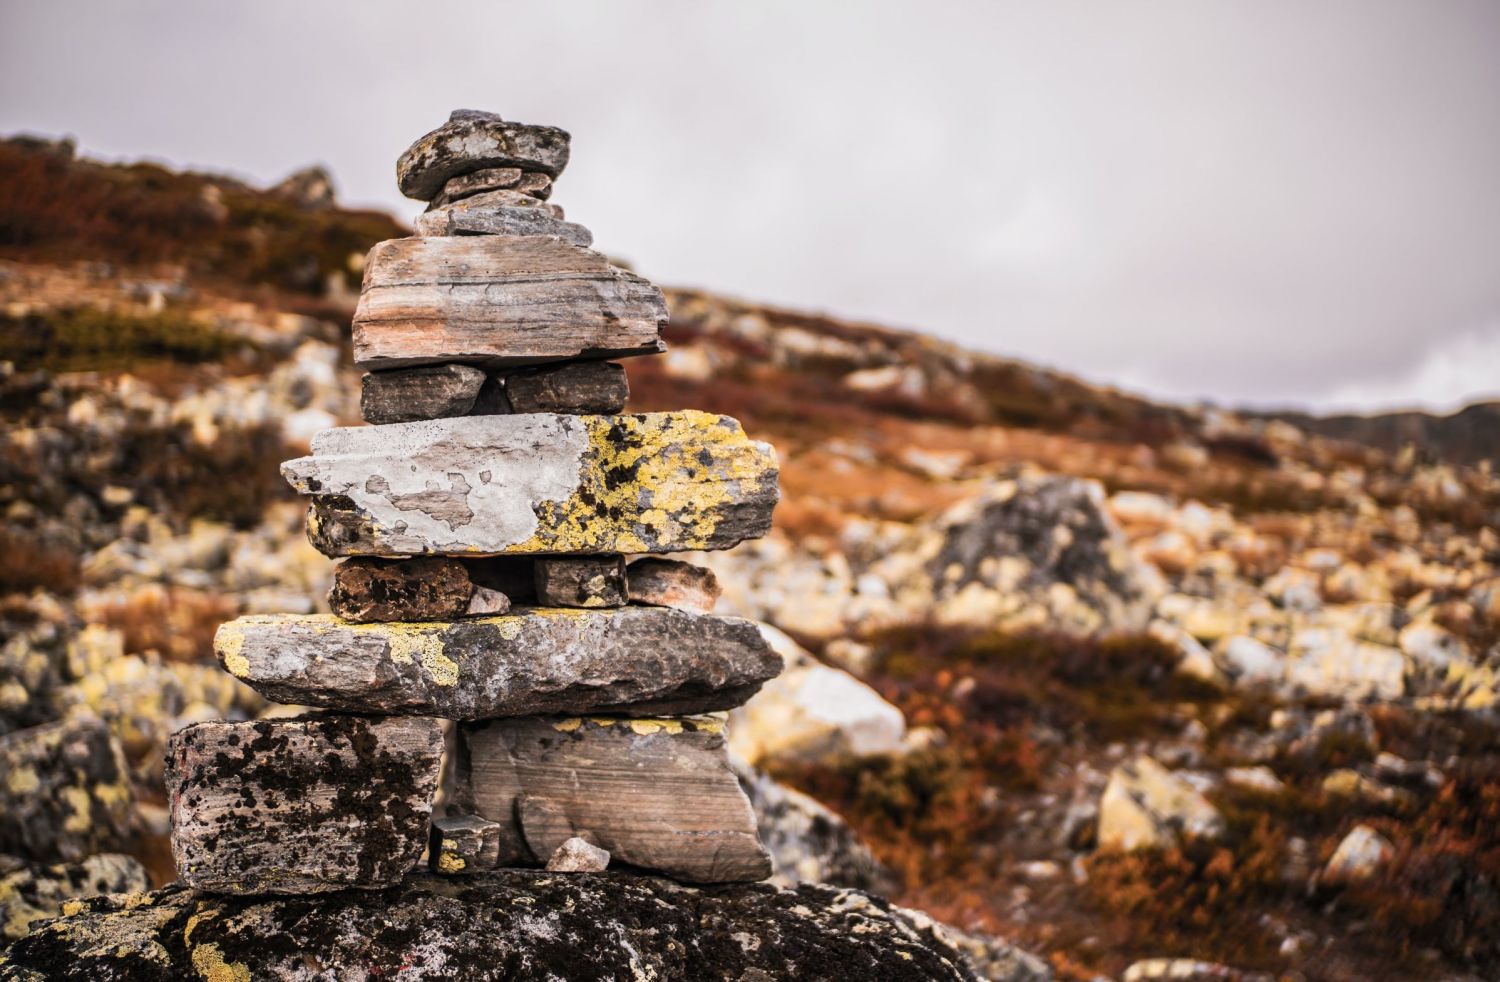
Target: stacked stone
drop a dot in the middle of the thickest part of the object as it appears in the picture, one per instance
(483, 522)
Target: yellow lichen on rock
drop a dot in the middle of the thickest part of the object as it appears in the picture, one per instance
(229, 645)
(209, 963)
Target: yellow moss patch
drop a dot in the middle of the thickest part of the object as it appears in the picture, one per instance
(22, 780)
(450, 862)
(567, 725)
(229, 645)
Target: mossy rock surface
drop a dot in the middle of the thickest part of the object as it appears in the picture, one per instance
(508, 925)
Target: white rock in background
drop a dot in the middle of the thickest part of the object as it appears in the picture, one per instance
(1327, 662)
(1194, 660)
(1432, 647)
(812, 711)
(1147, 806)
(1252, 662)
(1359, 856)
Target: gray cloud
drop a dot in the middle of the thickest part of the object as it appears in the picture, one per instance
(1266, 203)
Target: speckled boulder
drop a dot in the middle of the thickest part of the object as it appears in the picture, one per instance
(536, 484)
(64, 791)
(507, 925)
(472, 140)
(301, 805)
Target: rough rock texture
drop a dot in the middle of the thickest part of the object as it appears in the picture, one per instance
(500, 300)
(1359, 856)
(631, 659)
(463, 844)
(808, 843)
(661, 582)
(658, 794)
(534, 183)
(577, 855)
(301, 805)
(502, 198)
(581, 388)
(432, 588)
(498, 220)
(31, 892)
(426, 392)
(1147, 806)
(472, 141)
(580, 581)
(510, 925)
(537, 484)
(64, 791)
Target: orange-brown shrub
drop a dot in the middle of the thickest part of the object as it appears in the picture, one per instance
(176, 622)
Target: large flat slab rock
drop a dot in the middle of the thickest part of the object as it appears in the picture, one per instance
(499, 300)
(507, 925)
(472, 141)
(632, 659)
(657, 794)
(301, 805)
(537, 484)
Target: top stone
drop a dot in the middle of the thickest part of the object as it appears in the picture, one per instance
(472, 140)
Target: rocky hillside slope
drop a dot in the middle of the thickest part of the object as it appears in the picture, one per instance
(1133, 684)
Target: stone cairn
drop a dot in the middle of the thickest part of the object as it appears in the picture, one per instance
(483, 523)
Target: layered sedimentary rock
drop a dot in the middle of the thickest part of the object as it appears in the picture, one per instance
(500, 300)
(473, 140)
(632, 659)
(302, 805)
(510, 925)
(658, 794)
(537, 484)
(497, 220)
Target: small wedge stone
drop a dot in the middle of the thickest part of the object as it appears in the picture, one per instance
(501, 221)
(472, 141)
(301, 805)
(433, 588)
(660, 582)
(657, 794)
(578, 388)
(477, 182)
(503, 198)
(426, 392)
(486, 602)
(580, 581)
(463, 844)
(526, 662)
(578, 856)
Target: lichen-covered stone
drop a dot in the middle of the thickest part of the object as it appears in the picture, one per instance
(660, 582)
(537, 484)
(32, 891)
(472, 141)
(505, 925)
(658, 794)
(500, 300)
(301, 805)
(579, 388)
(497, 220)
(425, 392)
(580, 581)
(631, 659)
(463, 844)
(64, 791)
(431, 588)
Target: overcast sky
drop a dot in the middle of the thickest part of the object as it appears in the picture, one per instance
(1260, 202)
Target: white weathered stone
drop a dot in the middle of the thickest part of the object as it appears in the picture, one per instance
(1147, 806)
(578, 855)
(1359, 856)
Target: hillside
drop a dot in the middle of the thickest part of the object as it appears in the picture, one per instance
(1113, 679)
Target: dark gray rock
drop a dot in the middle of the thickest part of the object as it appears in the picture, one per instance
(630, 659)
(507, 925)
(432, 588)
(301, 805)
(658, 794)
(64, 792)
(463, 844)
(501, 221)
(425, 392)
(473, 141)
(33, 891)
(580, 388)
(580, 581)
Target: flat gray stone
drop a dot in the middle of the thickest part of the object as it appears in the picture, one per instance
(630, 659)
(301, 805)
(498, 301)
(403, 395)
(476, 182)
(468, 143)
(501, 221)
(657, 794)
(537, 484)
